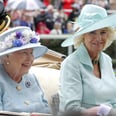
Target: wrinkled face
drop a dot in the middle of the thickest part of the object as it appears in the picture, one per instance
(21, 61)
(96, 40)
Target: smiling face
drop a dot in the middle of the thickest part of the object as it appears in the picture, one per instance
(95, 41)
(19, 62)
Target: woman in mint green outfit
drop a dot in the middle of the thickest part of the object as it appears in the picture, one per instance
(87, 79)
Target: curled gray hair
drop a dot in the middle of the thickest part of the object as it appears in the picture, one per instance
(111, 37)
(1, 59)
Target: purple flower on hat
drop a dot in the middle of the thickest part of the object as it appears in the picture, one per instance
(18, 35)
(18, 39)
(17, 43)
(33, 40)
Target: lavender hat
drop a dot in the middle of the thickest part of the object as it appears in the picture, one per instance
(19, 38)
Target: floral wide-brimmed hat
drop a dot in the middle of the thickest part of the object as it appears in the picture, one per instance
(92, 17)
(4, 18)
(19, 38)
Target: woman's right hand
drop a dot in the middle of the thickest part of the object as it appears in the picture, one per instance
(102, 110)
(91, 112)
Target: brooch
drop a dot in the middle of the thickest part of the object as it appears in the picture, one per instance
(28, 84)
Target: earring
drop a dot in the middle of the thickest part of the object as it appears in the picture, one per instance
(7, 63)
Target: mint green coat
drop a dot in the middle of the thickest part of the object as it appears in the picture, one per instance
(79, 88)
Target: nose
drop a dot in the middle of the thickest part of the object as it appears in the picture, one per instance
(99, 36)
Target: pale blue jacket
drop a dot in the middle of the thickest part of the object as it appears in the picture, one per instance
(79, 88)
(26, 96)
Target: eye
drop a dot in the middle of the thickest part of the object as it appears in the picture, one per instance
(103, 32)
(23, 52)
(27, 53)
(31, 53)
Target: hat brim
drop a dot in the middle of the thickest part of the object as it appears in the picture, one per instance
(106, 22)
(5, 24)
(38, 50)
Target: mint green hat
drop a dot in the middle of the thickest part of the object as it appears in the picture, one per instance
(92, 17)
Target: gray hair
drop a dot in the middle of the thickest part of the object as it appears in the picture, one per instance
(111, 37)
(3, 59)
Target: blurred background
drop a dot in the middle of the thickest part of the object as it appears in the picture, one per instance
(52, 19)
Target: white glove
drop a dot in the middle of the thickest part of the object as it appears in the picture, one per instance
(103, 110)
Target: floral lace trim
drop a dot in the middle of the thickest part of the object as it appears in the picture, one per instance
(18, 39)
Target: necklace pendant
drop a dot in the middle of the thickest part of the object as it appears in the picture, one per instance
(95, 62)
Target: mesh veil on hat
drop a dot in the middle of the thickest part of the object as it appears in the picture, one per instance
(4, 18)
(19, 38)
(92, 17)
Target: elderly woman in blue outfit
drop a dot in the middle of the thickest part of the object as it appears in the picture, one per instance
(87, 79)
(19, 89)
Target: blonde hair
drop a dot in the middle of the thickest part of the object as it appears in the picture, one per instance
(111, 37)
